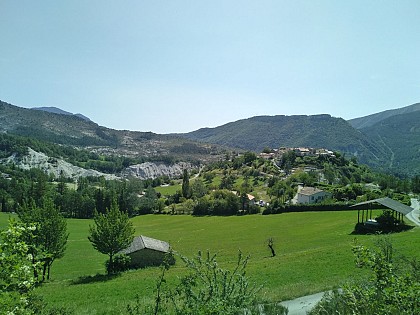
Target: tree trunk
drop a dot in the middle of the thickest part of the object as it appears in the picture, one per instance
(273, 253)
(111, 264)
(49, 269)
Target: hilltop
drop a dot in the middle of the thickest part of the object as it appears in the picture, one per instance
(318, 131)
(57, 110)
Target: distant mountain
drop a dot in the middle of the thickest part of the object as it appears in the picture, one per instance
(370, 120)
(389, 140)
(400, 135)
(75, 131)
(319, 131)
(57, 110)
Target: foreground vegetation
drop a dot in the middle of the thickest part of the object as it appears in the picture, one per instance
(392, 288)
(313, 255)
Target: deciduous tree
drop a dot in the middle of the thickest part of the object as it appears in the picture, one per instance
(50, 236)
(112, 232)
(16, 278)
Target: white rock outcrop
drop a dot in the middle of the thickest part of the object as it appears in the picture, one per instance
(153, 170)
(54, 166)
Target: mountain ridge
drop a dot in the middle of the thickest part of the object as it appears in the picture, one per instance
(253, 134)
(317, 131)
(370, 120)
(75, 131)
(400, 134)
(56, 110)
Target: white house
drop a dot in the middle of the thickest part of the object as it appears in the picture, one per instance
(311, 195)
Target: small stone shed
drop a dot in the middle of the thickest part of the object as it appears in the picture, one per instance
(146, 251)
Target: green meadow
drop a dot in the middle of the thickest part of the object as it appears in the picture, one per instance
(168, 190)
(313, 254)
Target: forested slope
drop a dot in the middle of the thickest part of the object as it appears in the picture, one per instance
(400, 134)
(319, 131)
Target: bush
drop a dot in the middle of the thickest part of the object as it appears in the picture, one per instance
(121, 263)
(277, 208)
(387, 220)
(391, 289)
(207, 289)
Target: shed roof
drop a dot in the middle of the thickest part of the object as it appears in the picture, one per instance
(142, 242)
(309, 191)
(389, 203)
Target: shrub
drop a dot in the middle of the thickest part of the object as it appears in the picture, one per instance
(388, 291)
(207, 289)
(387, 220)
(120, 263)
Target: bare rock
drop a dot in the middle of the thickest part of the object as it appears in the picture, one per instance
(54, 166)
(153, 170)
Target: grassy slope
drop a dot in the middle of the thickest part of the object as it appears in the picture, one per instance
(313, 254)
(168, 190)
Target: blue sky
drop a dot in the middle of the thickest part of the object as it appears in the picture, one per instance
(176, 66)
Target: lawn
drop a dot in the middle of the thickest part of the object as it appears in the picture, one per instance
(168, 190)
(313, 254)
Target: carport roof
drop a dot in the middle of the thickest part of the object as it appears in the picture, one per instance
(389, 203)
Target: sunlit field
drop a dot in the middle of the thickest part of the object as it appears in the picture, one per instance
(313, 254)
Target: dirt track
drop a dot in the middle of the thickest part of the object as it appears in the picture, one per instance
(303, 304)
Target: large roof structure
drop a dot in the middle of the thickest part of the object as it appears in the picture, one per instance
(389, 203)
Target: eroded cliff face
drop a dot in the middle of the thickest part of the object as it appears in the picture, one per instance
(153, 170)
(53, 166)
(56, 167)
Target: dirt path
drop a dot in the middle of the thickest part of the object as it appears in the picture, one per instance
(414, 216)
(302, 305)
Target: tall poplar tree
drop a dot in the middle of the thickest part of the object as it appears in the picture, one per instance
(186, 191)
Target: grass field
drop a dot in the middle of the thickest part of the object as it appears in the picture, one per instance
(313, 254)
(168, 190)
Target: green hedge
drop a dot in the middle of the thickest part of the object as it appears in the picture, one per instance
(307, 207)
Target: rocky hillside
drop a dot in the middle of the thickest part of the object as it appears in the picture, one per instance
(57, 167)
(75, 131)
(53, 166)
(153, 170)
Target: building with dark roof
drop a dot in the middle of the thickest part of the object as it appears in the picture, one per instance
(146, 251)
(400, 209)
(365, 218)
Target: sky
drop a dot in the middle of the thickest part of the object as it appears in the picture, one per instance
(170, 66)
